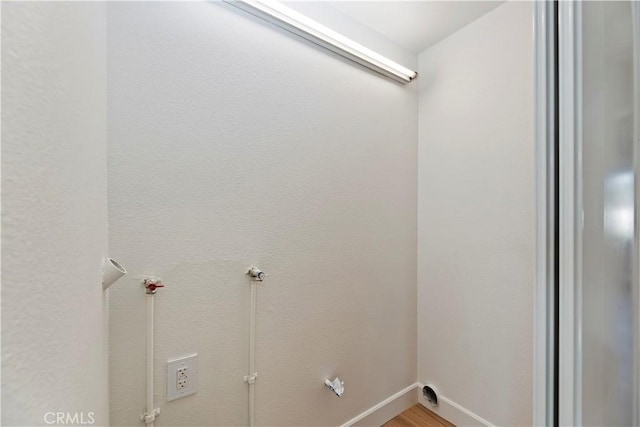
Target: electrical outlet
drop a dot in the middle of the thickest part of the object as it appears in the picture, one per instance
(182, 376)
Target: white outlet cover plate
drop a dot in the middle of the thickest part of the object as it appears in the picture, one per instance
(191, 365)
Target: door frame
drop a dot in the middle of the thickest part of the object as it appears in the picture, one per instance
(545, 298)
(557, 342)
(557, 345)
(571, 201)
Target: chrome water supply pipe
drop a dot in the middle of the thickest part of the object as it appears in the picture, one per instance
(256, 275)
(151, 285)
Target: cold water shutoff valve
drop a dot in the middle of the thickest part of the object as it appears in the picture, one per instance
(256, 274)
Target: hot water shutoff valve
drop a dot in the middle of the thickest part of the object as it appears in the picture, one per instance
(151, 284)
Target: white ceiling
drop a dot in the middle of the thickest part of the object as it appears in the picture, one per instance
(414, 25)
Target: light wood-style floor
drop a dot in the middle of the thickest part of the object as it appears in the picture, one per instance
(418, 416)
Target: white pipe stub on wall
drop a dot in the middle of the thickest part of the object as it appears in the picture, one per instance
(112, 271)
(336, 386)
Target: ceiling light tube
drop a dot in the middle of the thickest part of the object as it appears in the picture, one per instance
(296, 23)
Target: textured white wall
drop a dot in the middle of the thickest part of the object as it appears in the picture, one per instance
(476, 215)
(233, 143)
(54, 223)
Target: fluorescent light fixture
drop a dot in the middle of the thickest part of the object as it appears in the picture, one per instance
(296, 23)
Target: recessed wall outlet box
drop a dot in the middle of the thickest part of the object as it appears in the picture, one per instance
(182, 377)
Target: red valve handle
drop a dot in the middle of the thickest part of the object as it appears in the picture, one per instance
(153, 286)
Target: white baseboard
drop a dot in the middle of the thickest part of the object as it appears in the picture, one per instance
(387, 409)
(452, 412)
(409, 396)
